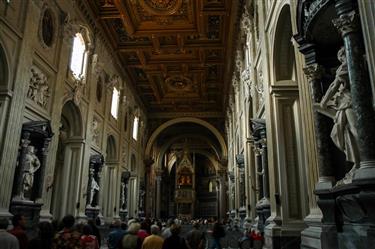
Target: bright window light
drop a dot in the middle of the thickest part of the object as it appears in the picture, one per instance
(78, 56)
(135, 128)
(115, 102)
(210, 187)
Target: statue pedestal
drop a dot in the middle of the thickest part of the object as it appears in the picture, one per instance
(29, 209)
(242, 213)
(263, 208)
(92, 212)
(348, 216)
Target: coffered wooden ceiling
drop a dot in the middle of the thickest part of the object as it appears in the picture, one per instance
(176, 52)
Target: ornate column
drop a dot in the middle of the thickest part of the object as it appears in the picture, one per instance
(314, 73)
(258, 165)
(44, 162)
(91, 176)
(240, 160)
(263, 152)
(124, 194)
(360, 87)
(158, 173)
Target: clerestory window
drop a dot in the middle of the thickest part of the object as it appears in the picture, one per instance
(115, 102)
(79, 57)
(135, 127)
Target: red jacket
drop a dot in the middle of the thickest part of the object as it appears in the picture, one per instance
(21, 236)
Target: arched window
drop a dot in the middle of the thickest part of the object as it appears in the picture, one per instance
(78, 57)
(115, 102)
(210, 187)
(135, 127)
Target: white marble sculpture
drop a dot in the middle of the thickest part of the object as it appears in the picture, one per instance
(94, 187)
(32, 164)
(338, 99)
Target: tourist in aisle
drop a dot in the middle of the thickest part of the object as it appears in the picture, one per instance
(19, 223)
(46, 232)
(175, 241)
(154, 241)
(7, 240)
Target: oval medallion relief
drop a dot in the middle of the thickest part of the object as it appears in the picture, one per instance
(47, 28)
(161, 7)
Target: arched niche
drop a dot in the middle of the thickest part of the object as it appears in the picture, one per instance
(4, 69)
(283, 56)
(168, 143)
(4, 83)
(111, 149)
(211, 128)
(72, 119)
(68, 161)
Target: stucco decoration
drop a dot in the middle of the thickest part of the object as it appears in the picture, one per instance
(38, 87)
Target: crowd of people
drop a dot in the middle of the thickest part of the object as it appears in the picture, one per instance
(134, 234)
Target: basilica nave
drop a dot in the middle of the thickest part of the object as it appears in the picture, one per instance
(259, 112)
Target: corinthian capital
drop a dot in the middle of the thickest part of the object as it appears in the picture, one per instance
(246, 26)
(313, 71)
(346, 23)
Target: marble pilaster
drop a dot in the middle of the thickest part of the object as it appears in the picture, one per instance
(13, 125)
(158, 194)
(367, 15)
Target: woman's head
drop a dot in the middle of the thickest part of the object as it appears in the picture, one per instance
(175, 229)
(134, 227)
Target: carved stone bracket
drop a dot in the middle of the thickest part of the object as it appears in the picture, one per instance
(346, 23)
(314, 71)
(246, 24)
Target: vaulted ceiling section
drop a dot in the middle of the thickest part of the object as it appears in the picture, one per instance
(177, 53)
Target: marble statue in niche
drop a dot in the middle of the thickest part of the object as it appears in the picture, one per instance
(337, 104)
(32, 164)
(94, 187)
(38, 88)
(122, 195)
